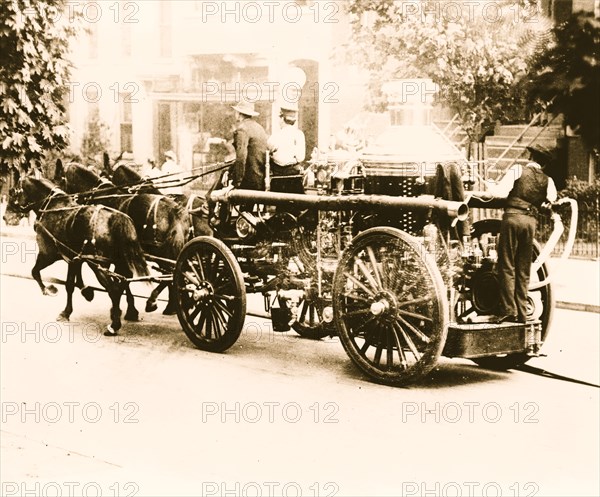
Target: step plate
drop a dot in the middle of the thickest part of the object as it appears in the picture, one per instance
(487, 339)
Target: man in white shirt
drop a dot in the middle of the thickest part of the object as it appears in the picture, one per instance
(288, 145)
(174, 170)
(526, 188)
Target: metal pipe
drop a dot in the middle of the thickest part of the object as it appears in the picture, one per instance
(459, 210)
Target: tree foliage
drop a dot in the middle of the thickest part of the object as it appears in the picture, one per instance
(568, 76)
(476, 55)
(34, 71)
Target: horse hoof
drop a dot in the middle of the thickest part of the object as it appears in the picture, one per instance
(62, 317)
(132, 317)
(50, 290)
(110, 332)
(88, 293)
(169, 312)
(151, 307)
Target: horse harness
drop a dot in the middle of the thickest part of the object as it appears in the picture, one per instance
(72, 255)
(150, 223)
(189, 207)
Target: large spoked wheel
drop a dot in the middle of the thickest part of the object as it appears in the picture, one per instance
(390, 306)
(540, 300)
(304, 240)
(211, 296)
(309, 321)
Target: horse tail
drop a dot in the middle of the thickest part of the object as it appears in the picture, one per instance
(129, 249)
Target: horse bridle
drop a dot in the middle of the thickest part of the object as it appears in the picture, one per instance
(43, 203)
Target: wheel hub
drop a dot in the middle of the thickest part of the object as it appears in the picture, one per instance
(385, 305)
(200, 292)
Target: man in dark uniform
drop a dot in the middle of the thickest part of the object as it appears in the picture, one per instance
(526, 189)
(250, 143)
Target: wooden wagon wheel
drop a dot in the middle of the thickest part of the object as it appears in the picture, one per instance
(390, 306)
(309, 321)
(211, 296)
(540, 300)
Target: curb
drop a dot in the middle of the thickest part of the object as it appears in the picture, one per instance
(17, 232)
(575, 306)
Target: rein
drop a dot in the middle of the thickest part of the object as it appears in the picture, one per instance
(64, 246)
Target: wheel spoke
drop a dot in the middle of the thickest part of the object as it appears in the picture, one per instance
(375, 266)
(416, 331)
(200, 278)
(354, 296)
(191, 278)
(195, 311)
(369, 277)
(228, 298)
(419, 300)
(390, 348)
(358, 284)
(414, 315)
(363, 324)
(359, 312)
(201, 323)
(200, 266)
(378, 351)
(220, 316)
(217, 328)
(222, 307)
(401, 355)
(409, 342)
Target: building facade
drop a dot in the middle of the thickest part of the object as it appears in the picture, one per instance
(162, 75)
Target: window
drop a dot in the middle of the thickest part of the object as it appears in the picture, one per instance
(126, 125)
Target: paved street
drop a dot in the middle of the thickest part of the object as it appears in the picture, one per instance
(147, 414)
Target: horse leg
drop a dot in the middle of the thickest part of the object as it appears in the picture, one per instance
(115, 292)
(132, 313)
(171, 308)
(151, 302)
(73, 270)
(43, 261)
(86, 291)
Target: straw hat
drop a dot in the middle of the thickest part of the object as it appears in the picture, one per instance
(246, 108)
(289, 107)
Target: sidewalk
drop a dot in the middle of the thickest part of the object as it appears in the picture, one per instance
(576, 282)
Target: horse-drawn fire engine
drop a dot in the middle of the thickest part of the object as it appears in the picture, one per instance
(384, 257)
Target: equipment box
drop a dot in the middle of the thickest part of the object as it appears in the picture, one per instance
(473, 340)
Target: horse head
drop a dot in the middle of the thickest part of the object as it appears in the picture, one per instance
(77, 178)
(27, 194)
(125, 175)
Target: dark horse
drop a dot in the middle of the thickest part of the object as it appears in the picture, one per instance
(195, 205)
(162, 225)
(76, 233)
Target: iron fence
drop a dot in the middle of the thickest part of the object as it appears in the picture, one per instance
(587, 236)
